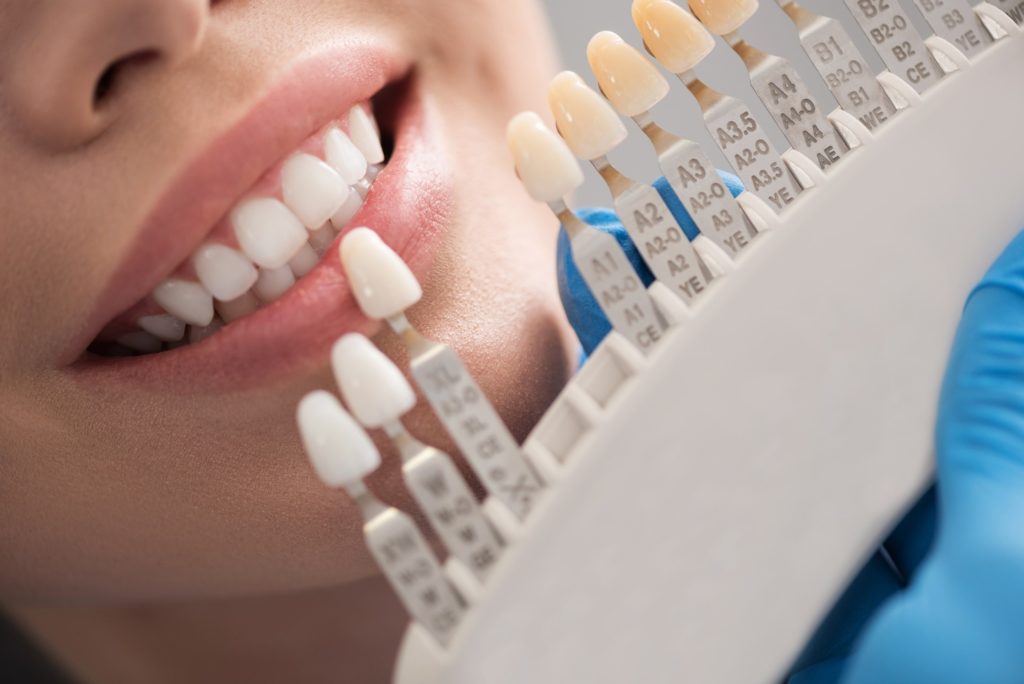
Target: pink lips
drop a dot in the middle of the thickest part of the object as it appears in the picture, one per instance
(407, 206)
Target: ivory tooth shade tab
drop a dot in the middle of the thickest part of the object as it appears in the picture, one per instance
(373, 388)
(628, 79)
(723, 16)
(589, 126)
(545, 165)
(340, 450)
(671, 34)
(381, 282)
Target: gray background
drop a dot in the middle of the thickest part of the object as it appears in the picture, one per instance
(575, 21)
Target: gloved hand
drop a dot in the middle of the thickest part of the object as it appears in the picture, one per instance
(943, 599)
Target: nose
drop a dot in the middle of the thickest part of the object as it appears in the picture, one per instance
(74, 62)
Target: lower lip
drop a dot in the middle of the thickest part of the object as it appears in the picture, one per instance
(408, 207)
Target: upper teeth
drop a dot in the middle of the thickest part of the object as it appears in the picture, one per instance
(279, 240)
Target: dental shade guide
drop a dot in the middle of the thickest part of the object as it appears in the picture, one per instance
(384, 287)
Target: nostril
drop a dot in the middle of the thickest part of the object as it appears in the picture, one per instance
(115, 71)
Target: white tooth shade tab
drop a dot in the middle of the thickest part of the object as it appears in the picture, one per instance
(585, 120)
(364, 133)
(723, 16)
(163, 326)
(304, 261)
(628, 79)
(671, 34)
(382, 283)
(371, 384)
(312, 189)
(267, 231)
(544, 162)
(347, 211)
(341, 452)
(188, 301)
(226, 273)
(273, 282)
(344, 157)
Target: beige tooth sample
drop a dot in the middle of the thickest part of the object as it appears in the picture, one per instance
(226, 273)
(236, 308)
(312, 189)
(185, 300)
(140, 341)
(364, 134)
(304, 261)
(382, 283)
(545, 165)
(628, 79)
(344, 157)
(267, 231)
(723, 16)
(589, 126)
(671, 34)
(273, 282)
(163, 326)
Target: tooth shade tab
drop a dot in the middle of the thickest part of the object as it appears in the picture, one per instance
(344, 157)
(371, 384)
(267, 231)
(365, 134)
(340, 451)
(585, 120)
(723, 16)
(630, 82)
(671, 34)
(226, 273)
(382, 283)
(544, 162)
(163, 326)
(312, 189)
(185, 300)
(273, 282)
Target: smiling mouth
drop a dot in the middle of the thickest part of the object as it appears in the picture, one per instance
(273, 237)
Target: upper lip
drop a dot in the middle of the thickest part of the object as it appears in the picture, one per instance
(307, 95)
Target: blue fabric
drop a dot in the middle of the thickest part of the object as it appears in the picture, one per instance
(943, 600)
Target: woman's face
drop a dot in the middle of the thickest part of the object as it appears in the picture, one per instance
(129, 132)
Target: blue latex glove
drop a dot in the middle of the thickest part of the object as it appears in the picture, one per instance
(939, 602)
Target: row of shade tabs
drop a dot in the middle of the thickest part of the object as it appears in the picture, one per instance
(590, 127)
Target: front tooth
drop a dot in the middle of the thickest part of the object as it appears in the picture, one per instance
(312, 189)
(723, 16)
(267, 231)
(163, 326)
(630, 82)
(273, 282)
(347, 211)
(238, 307)
(344, 157)
(586, 121)
(671, 34)
(141, 341)
(186, 300)
(303, 262)
(199, 333)
(382, 283)
(225, 273)
(363, 131)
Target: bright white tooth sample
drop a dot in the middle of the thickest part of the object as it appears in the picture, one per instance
(226, 273)
(339, 449)
(186, 300)
(671, 34)
(628, 79)
(381, 282)
(585, 120)
(320, 239)
(303, 262)
(347, 211)
(312, 189)
(344, 157)
(273, 282)
(268, 232)
(163, 326)
(236, 308)
(363, 131)
(199, 333)
(723, 16)
(141, 341)
(543, 161)
(371, 384)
